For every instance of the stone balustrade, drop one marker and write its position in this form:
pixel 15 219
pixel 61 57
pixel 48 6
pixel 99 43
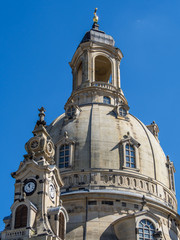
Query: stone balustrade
pixel 104 85
pixel 118 181
pixel 98 84
pixel 12 234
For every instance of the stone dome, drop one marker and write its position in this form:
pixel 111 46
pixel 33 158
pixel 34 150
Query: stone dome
pixel 98 137
pixel 112 165
pixel 98 133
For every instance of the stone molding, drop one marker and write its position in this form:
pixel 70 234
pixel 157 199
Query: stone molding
pixel 118 181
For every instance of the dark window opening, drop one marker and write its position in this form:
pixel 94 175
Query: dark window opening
pixel 102 69
pixel 71 112
pixel 21 217
pixel 123 204
pixel 92 202
pixel 61 226
pixel 79 75
pixel 107 202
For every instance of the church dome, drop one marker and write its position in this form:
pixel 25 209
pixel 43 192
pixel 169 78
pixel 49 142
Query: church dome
pixel 115 180
pixel 100 140
pixel 98 134
pixel 112 165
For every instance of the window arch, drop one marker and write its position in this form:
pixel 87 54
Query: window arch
pixel 146 230
pixel 64 156
pixel 79 75
pixel 130 156
pixel 103 69
pixel 21 216
pixel 106 100
pixel 61 226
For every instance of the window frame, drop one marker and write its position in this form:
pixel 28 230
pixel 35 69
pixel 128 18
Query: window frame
pixel 105 98
pixel 72 114
pixel 71 111
pixel 62 227
pixel 122 111
pixel 142 238
pixel 132 142
pixel 64 156
pixel 31 213
pixel 130 149
pixel 123 106
pixel 21 220
pixel 95 63
pixel 150 217
pixel 65 141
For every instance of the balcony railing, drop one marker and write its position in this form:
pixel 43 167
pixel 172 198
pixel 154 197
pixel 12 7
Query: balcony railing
pixel 98 84
pixel 103 85
pixel 12 234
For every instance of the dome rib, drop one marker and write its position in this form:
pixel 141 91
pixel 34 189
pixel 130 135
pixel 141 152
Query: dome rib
pixel 149 144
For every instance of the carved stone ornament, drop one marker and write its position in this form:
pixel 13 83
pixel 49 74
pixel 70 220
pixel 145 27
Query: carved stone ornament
pixel 121 110
pixel 129 139
pixel 154 129
pixel 72 111
pixel 40 146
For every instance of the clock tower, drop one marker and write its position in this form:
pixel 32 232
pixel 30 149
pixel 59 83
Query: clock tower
pixel 37 211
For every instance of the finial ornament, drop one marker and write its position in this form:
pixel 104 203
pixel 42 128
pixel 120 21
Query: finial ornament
pixel 95 18
pixel 41 116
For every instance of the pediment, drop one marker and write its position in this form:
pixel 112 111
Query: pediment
pixel 26 202
pixel 65 139
pixel 129 139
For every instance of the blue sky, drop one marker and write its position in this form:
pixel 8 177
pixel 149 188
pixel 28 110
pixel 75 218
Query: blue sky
pixel 38 39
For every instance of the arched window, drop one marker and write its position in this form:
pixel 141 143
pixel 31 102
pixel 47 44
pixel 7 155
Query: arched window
pixel 130 156
pixel 79 75
pixel 61 226
pixel 146 230
pixel 106 100
pixel 64 156
pixel 21 216
pixel 102 69
pixel 122 112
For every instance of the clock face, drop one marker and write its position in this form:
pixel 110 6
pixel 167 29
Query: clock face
pixel 52 191
pixel 30 187
pixel 34 144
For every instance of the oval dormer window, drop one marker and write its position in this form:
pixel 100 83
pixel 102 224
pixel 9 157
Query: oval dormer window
pixel 71 111
pixel 122 112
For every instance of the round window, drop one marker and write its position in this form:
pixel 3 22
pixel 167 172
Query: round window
pixel 122 112
pixel 71 111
